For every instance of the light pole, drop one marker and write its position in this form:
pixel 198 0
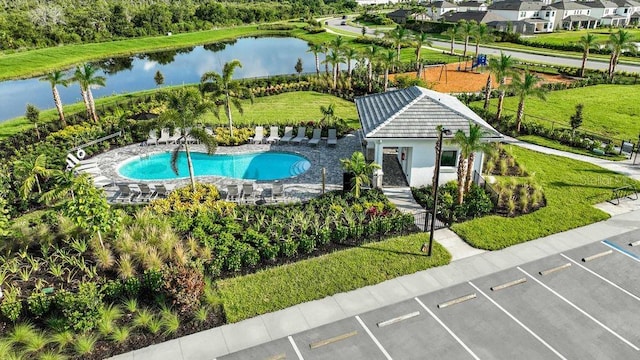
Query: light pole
pixel 436 179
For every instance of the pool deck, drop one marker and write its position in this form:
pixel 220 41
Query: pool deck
pixel 302 187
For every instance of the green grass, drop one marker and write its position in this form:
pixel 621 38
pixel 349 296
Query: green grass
pixel 572 37
pixel 316 278
pixel 553 144
pixel 571 187
pixel 608 109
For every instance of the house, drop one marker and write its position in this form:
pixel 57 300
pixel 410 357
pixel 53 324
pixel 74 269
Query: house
pixel 630 9
pixel 526 17
pixel 605 10
pixel 437 9
pixel 471 6
pixel 480 17
pixel 400 16
pixel 407 120
pixel 573 15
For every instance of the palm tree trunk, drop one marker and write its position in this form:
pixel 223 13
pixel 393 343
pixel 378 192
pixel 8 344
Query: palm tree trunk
pixel 398 52
pixel 453 40
pixel 487 92
pixel 86 101
pixel 335 76
pixel 418 51
pixel 584 62
pixel 370 75
pixel 469 179
pixel 386 79
pixel 466 42
pixel 190 165
pixel 92 104
pixel 58 102
pixel 317 64
pixel 477 48
pixel 228 110
pixel 614 62
pixel 500 101
pixel 326 64
pixel 461 178
pixel 520 114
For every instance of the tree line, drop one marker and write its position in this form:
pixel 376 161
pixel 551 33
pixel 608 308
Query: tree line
pixel 34 24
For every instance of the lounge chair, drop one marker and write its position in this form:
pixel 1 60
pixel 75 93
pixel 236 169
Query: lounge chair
pixel 175 138
pixel 126 193
pixel 288 135
pixel 91 170
pixel 71 166
pixel 332 140
pixel 315 140
pixel 188 138
pixel 161 191
pixel 146 194
pixel 165 137
pixel 273 135
pixel 232 193
pixel 277 192
pixel 258 138
pixel 301 135
pixel 77 161
pixel 247 192
pixel 101 181
pixel 153 138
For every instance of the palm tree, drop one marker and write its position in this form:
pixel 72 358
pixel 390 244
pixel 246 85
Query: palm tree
pixel 334 58
pixel 56 78
pixel 360 170
pixel 325 51
pixel 397 36
pixel 85 76
pixel 349 54
pixel 224 91
pixel 372 53
pixel 452 33
pixel 32 171
pixel 523 87
pixel 65 185
pixel 501 68
pixel 337 43
pixel 466 29
pixel 481 33
pixel 316 49
pixel 184 108
pixel 388 60
pixel 618 43
pixel 586 42
pixel 469 145
pixel 421 40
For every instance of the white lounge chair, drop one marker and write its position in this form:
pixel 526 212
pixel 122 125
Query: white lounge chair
pixel 101 181
pixel 332 140
pixel 258 138
pixel 277 192
pixel 153 138
pixel 77 161
pixel 175 138
pixel 247 192
pixel 315 140
pixel 273 135
pixel 232 193
pixel 288 135
pixel 301 135
pixel 165 137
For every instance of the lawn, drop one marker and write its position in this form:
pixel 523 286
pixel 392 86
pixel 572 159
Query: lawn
pixel 569 37
pixel 278 288
pixel 553 144
pixel 609 110
pixel 571 187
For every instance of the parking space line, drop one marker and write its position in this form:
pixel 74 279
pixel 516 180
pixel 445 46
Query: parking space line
pixel 398 319
pixel 295 348
pixel 602 278
pixel 386 354
pixel 621 250
pixel 541 340
pixel 580 310
pixel 447 329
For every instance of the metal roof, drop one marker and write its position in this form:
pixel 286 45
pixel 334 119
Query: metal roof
pixel 568 5
pixel 415 112
pixel 517 5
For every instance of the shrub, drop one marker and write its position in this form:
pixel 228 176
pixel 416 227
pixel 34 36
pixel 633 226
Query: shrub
pixel 39 303
pixel 80 311
pixel 184 287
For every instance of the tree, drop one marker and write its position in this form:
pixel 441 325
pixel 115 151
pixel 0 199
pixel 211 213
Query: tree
pixel 361 171
pixel 184 108
pixel 33 116
pixel 372 53
pixel 85 76
pixel 452 33
pixel 586 42
pixel 65 185
pixel 90 210
pixel 32 171
pixel 316 49
pixel 618 43
pixel 328 114
pixel 299 67
pixel 224 91
pixel 334 58
pixel 325 51
pixel 158 78
pixel 466 29
pixel 576 120
pixel 469 145
pixel 364 31
pixel 481 33
pixel 56 78
pixel 523 87
pixel 421 40
pixel 397 36
pixel 388 60
pixel 501 68
pixel 349 54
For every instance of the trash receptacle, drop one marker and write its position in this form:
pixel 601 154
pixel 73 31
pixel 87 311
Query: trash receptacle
pixel 377 178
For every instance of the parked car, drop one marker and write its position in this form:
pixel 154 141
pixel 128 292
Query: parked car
pixel 343 23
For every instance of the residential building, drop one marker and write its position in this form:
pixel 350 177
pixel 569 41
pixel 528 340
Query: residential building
pixel 605 10
pixel 630 9
pixel 480 17
pixel 400 16
pixel 471 6
pixel 437 9
pixel 573 15
pixel 526 17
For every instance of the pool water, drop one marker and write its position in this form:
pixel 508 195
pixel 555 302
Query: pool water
pixel 254 166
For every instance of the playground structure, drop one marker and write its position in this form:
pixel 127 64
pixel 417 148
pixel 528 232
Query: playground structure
pixel 471 63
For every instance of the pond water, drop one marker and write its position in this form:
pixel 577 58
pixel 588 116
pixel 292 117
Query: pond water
pixel 260 57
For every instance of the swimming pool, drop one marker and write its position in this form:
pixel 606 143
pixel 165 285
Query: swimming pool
pixel 253 166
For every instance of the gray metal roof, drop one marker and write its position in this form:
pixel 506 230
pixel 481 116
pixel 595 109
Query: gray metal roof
pixel 601 4
pixel 517 5
pixel 415 112
pixel 568 5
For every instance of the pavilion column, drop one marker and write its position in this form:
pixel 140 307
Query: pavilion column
pixel 378 150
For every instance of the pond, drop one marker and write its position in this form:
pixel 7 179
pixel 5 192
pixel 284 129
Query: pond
pixel 260 57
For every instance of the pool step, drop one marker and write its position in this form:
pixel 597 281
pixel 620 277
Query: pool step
pixel 299 167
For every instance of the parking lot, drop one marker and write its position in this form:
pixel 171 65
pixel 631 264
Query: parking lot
pixel 579 304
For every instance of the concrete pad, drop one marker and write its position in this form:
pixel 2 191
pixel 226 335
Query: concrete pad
pixel 502 260
pixel 245 334
pixel 204 345
pixel 476 266
pixel 357 301
pixel 389 292
pixel 285 322
pixel 449 275
pixel 420 283
pixel 277 349
pixel 321 312
pixel 457 247
pixel 168 350
pixel 125 356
